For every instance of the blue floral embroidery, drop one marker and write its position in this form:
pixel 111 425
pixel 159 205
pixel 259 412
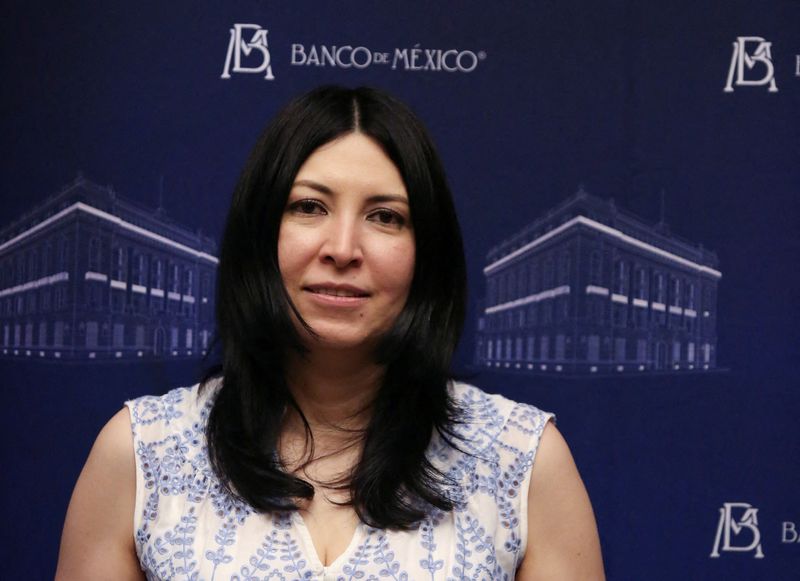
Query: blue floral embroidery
pixel 293 557
pixel 462 553
pixel 177 562
pixel 427 531
pixel 225 537
pixel 262 561
pixel 384 556
pixel 479 540
pixel 358 560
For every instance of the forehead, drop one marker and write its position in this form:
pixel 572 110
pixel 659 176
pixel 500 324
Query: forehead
pixel 353 161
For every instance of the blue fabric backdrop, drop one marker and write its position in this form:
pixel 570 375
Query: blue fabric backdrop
pixel 626 100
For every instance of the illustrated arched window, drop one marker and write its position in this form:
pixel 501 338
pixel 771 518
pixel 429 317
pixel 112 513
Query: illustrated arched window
pixel 94 255
pixel 175 278
pixel 533 285
pixel 47 251
pixel 564 263
pixel 621 277
pixel 63 252
pixel 549 273
pixel 523 281
pixel 501 288
pixel 158 274
pixel 708 298
pixel 676 291
pixel 119 264
pixel 595 268
pixel 641 283
pixel 33 265
pixel 660 287
pixel 140 268
pixel 533 313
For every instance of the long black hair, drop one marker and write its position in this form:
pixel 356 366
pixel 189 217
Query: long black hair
pixel 394 482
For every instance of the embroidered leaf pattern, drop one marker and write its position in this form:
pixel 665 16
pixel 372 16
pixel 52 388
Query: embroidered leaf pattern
pixel 384 557
pixel 189 526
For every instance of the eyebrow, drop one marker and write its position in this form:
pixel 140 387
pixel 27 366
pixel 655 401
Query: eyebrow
pixel 323 189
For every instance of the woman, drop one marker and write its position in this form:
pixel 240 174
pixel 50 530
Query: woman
pixel 337 446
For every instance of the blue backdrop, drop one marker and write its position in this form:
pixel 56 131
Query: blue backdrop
pixel 141 115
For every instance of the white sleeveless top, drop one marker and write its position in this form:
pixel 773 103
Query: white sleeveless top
pixel 188 527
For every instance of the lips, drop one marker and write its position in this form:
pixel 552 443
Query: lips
pixel 337 290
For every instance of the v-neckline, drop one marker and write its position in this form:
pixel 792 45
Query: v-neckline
pixel 311 549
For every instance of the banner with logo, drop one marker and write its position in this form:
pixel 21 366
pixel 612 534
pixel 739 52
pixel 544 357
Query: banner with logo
pixel 626 179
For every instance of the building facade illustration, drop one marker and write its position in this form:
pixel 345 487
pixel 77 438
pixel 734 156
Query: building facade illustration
pixel 589 288
pixel 88 275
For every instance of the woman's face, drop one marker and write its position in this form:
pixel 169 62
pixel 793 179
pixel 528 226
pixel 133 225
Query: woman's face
pixel 346 244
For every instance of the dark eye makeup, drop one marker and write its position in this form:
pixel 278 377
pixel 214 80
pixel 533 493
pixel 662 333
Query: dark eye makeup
pixel 382 216
pixel 307 206
pixel 387 217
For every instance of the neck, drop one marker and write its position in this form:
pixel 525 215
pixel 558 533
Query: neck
pixel 335 391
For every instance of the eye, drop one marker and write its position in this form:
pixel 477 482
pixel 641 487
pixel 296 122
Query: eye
pixel 387 217
pixel 307 206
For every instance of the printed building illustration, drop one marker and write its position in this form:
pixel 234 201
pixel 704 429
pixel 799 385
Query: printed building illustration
pixel 589 288
pixel 88 275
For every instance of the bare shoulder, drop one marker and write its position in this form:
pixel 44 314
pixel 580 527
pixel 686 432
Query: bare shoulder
pixel 97 541
pixel 562 534
pixel 115 441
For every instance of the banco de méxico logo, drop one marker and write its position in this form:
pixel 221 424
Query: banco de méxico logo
pixel 749 51
pixel 737 530
pixel 254 50
pixel 248 52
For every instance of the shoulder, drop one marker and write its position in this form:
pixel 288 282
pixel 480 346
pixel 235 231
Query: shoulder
pixel 498 438
pixel 98 530
pixel 562 540
pixel 169 406
pixel 111 455
pixel 495 413
pixel 475 400
pixel 98 537
pixel 179 408
pixel 557 531
pixel 495 447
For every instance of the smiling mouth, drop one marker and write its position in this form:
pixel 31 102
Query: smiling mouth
pixel 338 291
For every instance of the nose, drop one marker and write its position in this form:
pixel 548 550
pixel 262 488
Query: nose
pixel 342 245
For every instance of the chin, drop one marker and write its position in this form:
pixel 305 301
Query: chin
pixel 339 341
